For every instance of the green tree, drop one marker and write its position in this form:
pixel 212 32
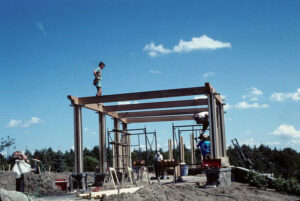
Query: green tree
pixel 7 143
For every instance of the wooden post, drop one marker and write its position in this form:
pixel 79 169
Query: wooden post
pixel 192 149
pixel 126 149
pixel 223 130
pixel 182 150
pixel 216 127
pixel 102 143
pixel 118 148
pixel 170 149
pixel 78 140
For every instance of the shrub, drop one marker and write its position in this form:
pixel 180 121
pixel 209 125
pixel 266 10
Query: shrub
pixel 290 186
pixel 257 180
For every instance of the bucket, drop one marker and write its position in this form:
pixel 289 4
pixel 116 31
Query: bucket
pixel 62 184
pixel 184 170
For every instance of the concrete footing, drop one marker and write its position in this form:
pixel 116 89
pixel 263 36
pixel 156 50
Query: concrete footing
pixel 218 177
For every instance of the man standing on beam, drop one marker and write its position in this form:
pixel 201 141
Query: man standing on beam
pixel 97 80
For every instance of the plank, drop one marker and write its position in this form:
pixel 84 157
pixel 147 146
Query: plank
pixel 143 95
pixel 156 105
pixel 108 192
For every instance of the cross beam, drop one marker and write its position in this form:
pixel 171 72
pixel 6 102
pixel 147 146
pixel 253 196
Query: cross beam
pixel 144 95
pixel 159 119
pixel 156 105
pixel 161 112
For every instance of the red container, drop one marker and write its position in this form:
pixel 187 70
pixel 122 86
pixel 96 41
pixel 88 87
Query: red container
pixel 62 184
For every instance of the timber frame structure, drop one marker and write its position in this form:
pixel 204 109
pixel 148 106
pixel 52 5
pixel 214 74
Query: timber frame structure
pixel 149 112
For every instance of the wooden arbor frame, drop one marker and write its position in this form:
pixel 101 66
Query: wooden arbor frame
pixel 150 112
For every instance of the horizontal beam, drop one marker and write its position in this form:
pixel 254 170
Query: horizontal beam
pixel 162 112
pixel 156 105
pixel 143 95
pixel 99 108
pixel 159 119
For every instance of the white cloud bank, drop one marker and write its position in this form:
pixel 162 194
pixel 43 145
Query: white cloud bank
pixel 13 123
pixel 287 131
pixel 196 43
pixel 280 97
pixel 254 94
pixel 251 100
pixel 246 105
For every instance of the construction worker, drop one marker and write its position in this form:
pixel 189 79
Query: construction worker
pixel 158 158
pixel 21 167
pixel 202 118
pixel 97 80
pixel 204 145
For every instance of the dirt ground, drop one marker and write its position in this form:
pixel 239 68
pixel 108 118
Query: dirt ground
pixel 180 192
pixel 154 192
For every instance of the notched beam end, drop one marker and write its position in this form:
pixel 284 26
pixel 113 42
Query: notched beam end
pixel 73 99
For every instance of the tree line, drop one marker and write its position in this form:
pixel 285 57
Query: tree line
pixel 283 163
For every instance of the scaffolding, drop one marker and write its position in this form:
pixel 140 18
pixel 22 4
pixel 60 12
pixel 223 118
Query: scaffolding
pixel 121 150
pixel 178 144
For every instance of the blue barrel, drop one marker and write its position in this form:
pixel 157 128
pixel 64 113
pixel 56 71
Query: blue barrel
pixel 184 170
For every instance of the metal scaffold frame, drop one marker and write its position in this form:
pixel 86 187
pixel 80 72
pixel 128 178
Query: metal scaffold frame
pixel 122 160
pixel 178 144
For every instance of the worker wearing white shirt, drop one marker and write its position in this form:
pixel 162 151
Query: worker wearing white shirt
pixel 158 158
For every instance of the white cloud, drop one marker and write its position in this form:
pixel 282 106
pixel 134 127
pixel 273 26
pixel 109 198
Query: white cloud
pixel 19 123
pixel 272 143
pixel 41 27
pixel 295 96
pixel 196 43
pixel 14 123
pixel 127 102
pixel 85 129
pixel 250 142
pixel 246 105
pixel 154 71
pixel 208 74
pixel 287 131
pixel 200 43
pixel 154 50
pixel 253 94
pixel 33 120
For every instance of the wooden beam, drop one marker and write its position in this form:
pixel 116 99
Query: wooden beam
pixel 144 95
pixel 100 108
pixel 162 112
pixel 73 99
pixel 156 105
pixel 158 119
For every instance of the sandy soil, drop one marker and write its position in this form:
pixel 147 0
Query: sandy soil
pixel 182 192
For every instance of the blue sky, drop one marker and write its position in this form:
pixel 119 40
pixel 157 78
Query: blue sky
pixel 248 50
